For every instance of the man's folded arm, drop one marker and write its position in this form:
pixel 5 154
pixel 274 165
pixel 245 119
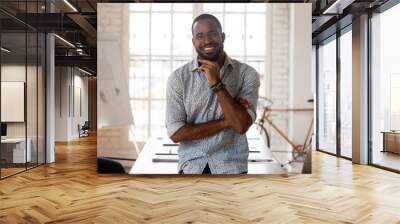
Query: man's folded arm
pixel 239 117
pixel 189 132
pixel 236 115
pixel 176 121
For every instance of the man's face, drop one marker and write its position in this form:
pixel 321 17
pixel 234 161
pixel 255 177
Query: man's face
pixel 208 40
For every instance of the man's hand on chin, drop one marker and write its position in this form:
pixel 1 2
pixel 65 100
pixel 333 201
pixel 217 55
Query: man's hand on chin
pixel 211 69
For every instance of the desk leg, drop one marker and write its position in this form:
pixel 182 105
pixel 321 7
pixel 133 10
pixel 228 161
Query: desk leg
pixel 384 143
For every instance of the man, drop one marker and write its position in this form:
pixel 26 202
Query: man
pixel 211 103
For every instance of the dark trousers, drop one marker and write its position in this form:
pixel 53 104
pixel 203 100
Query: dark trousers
pixel 207 170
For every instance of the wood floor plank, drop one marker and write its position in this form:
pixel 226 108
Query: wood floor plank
pixel 71 191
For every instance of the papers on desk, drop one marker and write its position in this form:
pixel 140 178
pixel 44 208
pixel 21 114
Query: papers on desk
pixel 168 147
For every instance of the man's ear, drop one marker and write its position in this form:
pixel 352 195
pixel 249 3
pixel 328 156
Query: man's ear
pixel 193 41
pixel 223 37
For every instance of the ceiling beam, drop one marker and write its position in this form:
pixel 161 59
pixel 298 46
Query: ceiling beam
pixel 337 7
pixel 82 61
pixel 84 24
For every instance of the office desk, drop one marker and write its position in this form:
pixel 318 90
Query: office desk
pixel 13 150
pixel 260 159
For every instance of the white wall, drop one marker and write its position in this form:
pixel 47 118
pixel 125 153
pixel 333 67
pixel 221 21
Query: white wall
pixel 61 103
pixel 33 127
pixel 67 115
pixel 12 73
pixel 79 117
pixel 300 79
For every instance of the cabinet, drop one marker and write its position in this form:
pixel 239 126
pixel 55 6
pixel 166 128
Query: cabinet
pixel 391 141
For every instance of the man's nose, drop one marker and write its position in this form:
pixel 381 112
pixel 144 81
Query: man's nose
pixel 207 39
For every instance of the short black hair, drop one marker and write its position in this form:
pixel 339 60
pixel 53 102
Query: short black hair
pixel 209 17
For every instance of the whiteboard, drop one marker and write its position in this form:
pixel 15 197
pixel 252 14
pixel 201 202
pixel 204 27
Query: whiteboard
pixel 12 101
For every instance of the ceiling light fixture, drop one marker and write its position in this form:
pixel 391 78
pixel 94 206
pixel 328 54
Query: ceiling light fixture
pixel 84 71
pixel 70 5
pixel 5 50
pixel 65 41
pixel 337 7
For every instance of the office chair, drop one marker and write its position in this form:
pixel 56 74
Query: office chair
pixel 84 130
pixel 107 165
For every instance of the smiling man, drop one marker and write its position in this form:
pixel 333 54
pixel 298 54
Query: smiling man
pixel 211 103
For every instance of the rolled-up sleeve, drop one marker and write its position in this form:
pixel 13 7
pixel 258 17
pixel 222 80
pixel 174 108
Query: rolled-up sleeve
pixel 175 116
pixel 249 90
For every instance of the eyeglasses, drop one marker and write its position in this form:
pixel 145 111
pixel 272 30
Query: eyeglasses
pixel 210 35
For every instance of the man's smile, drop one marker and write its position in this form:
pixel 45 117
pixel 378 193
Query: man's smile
pixel 209 49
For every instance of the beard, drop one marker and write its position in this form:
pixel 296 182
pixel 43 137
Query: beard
pixel 213 56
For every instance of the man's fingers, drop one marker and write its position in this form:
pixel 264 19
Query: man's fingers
pixel 244 102
pixel 245 105
pixel 204 68
pixel 207 62
pixel 203 61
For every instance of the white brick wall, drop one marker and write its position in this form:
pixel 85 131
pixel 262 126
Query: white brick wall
pixel 279 68
pixel 112 23
pixel 110 20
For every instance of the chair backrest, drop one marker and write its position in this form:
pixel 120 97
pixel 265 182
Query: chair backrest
pixel 86 125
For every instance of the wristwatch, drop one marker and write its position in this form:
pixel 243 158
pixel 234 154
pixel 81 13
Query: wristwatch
pixel 217 87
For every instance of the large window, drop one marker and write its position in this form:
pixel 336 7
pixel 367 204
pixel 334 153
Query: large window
pixel 346 94
pixel 327 96
pixel 385 84
pixel 335 137
pixel 160 42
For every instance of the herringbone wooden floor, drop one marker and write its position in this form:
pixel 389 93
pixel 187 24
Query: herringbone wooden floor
pixel 71 191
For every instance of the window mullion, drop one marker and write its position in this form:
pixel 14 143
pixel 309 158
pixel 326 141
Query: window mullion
pixel 149 80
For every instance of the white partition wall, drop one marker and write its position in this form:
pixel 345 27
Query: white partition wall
pixel 12 98
pixel 71 102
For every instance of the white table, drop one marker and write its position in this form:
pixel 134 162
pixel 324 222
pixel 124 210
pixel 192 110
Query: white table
pixel 18 144
pixel 259 162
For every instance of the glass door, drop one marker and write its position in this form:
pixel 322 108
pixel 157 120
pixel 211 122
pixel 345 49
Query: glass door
pixel 327 96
